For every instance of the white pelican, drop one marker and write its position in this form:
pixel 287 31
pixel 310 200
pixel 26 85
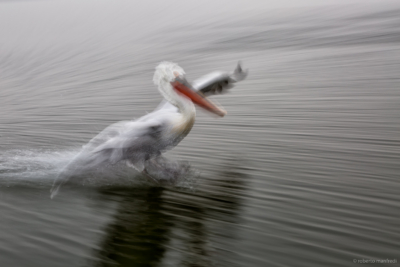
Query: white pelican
pixel 141 141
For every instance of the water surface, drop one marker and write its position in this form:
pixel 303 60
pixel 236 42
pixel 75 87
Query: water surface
pixel 303 171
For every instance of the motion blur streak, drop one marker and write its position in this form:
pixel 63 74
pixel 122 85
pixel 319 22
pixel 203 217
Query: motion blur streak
pixel 302 171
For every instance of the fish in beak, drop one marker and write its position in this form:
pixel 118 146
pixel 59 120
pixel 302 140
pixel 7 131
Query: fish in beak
pixel 183 87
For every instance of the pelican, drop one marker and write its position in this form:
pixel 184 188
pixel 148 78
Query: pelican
pixel 141 142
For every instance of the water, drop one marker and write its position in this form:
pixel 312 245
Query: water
pixel 303 171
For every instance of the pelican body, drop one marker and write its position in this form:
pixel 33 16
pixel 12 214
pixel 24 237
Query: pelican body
pixel 141 141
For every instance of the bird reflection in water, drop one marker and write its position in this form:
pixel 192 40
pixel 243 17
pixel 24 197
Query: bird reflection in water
pixel 156 226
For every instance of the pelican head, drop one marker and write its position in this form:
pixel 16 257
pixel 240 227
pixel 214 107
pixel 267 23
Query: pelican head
pixel 169 78
pixel 165 73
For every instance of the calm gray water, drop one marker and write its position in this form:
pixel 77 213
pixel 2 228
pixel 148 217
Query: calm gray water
pixel 303 171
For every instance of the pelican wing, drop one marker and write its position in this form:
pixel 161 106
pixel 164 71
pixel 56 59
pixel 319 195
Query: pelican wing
pixel 134 141
pixel 130 141
pixel 218 82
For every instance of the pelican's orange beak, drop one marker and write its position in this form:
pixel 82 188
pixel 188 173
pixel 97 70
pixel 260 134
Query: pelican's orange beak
pixel 196 97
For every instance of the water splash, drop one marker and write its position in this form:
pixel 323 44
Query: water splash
pixel 174 173
pixel 33 164
pixel 40 167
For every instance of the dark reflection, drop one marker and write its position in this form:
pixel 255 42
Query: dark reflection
pixel 155 225
pixel 139 231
